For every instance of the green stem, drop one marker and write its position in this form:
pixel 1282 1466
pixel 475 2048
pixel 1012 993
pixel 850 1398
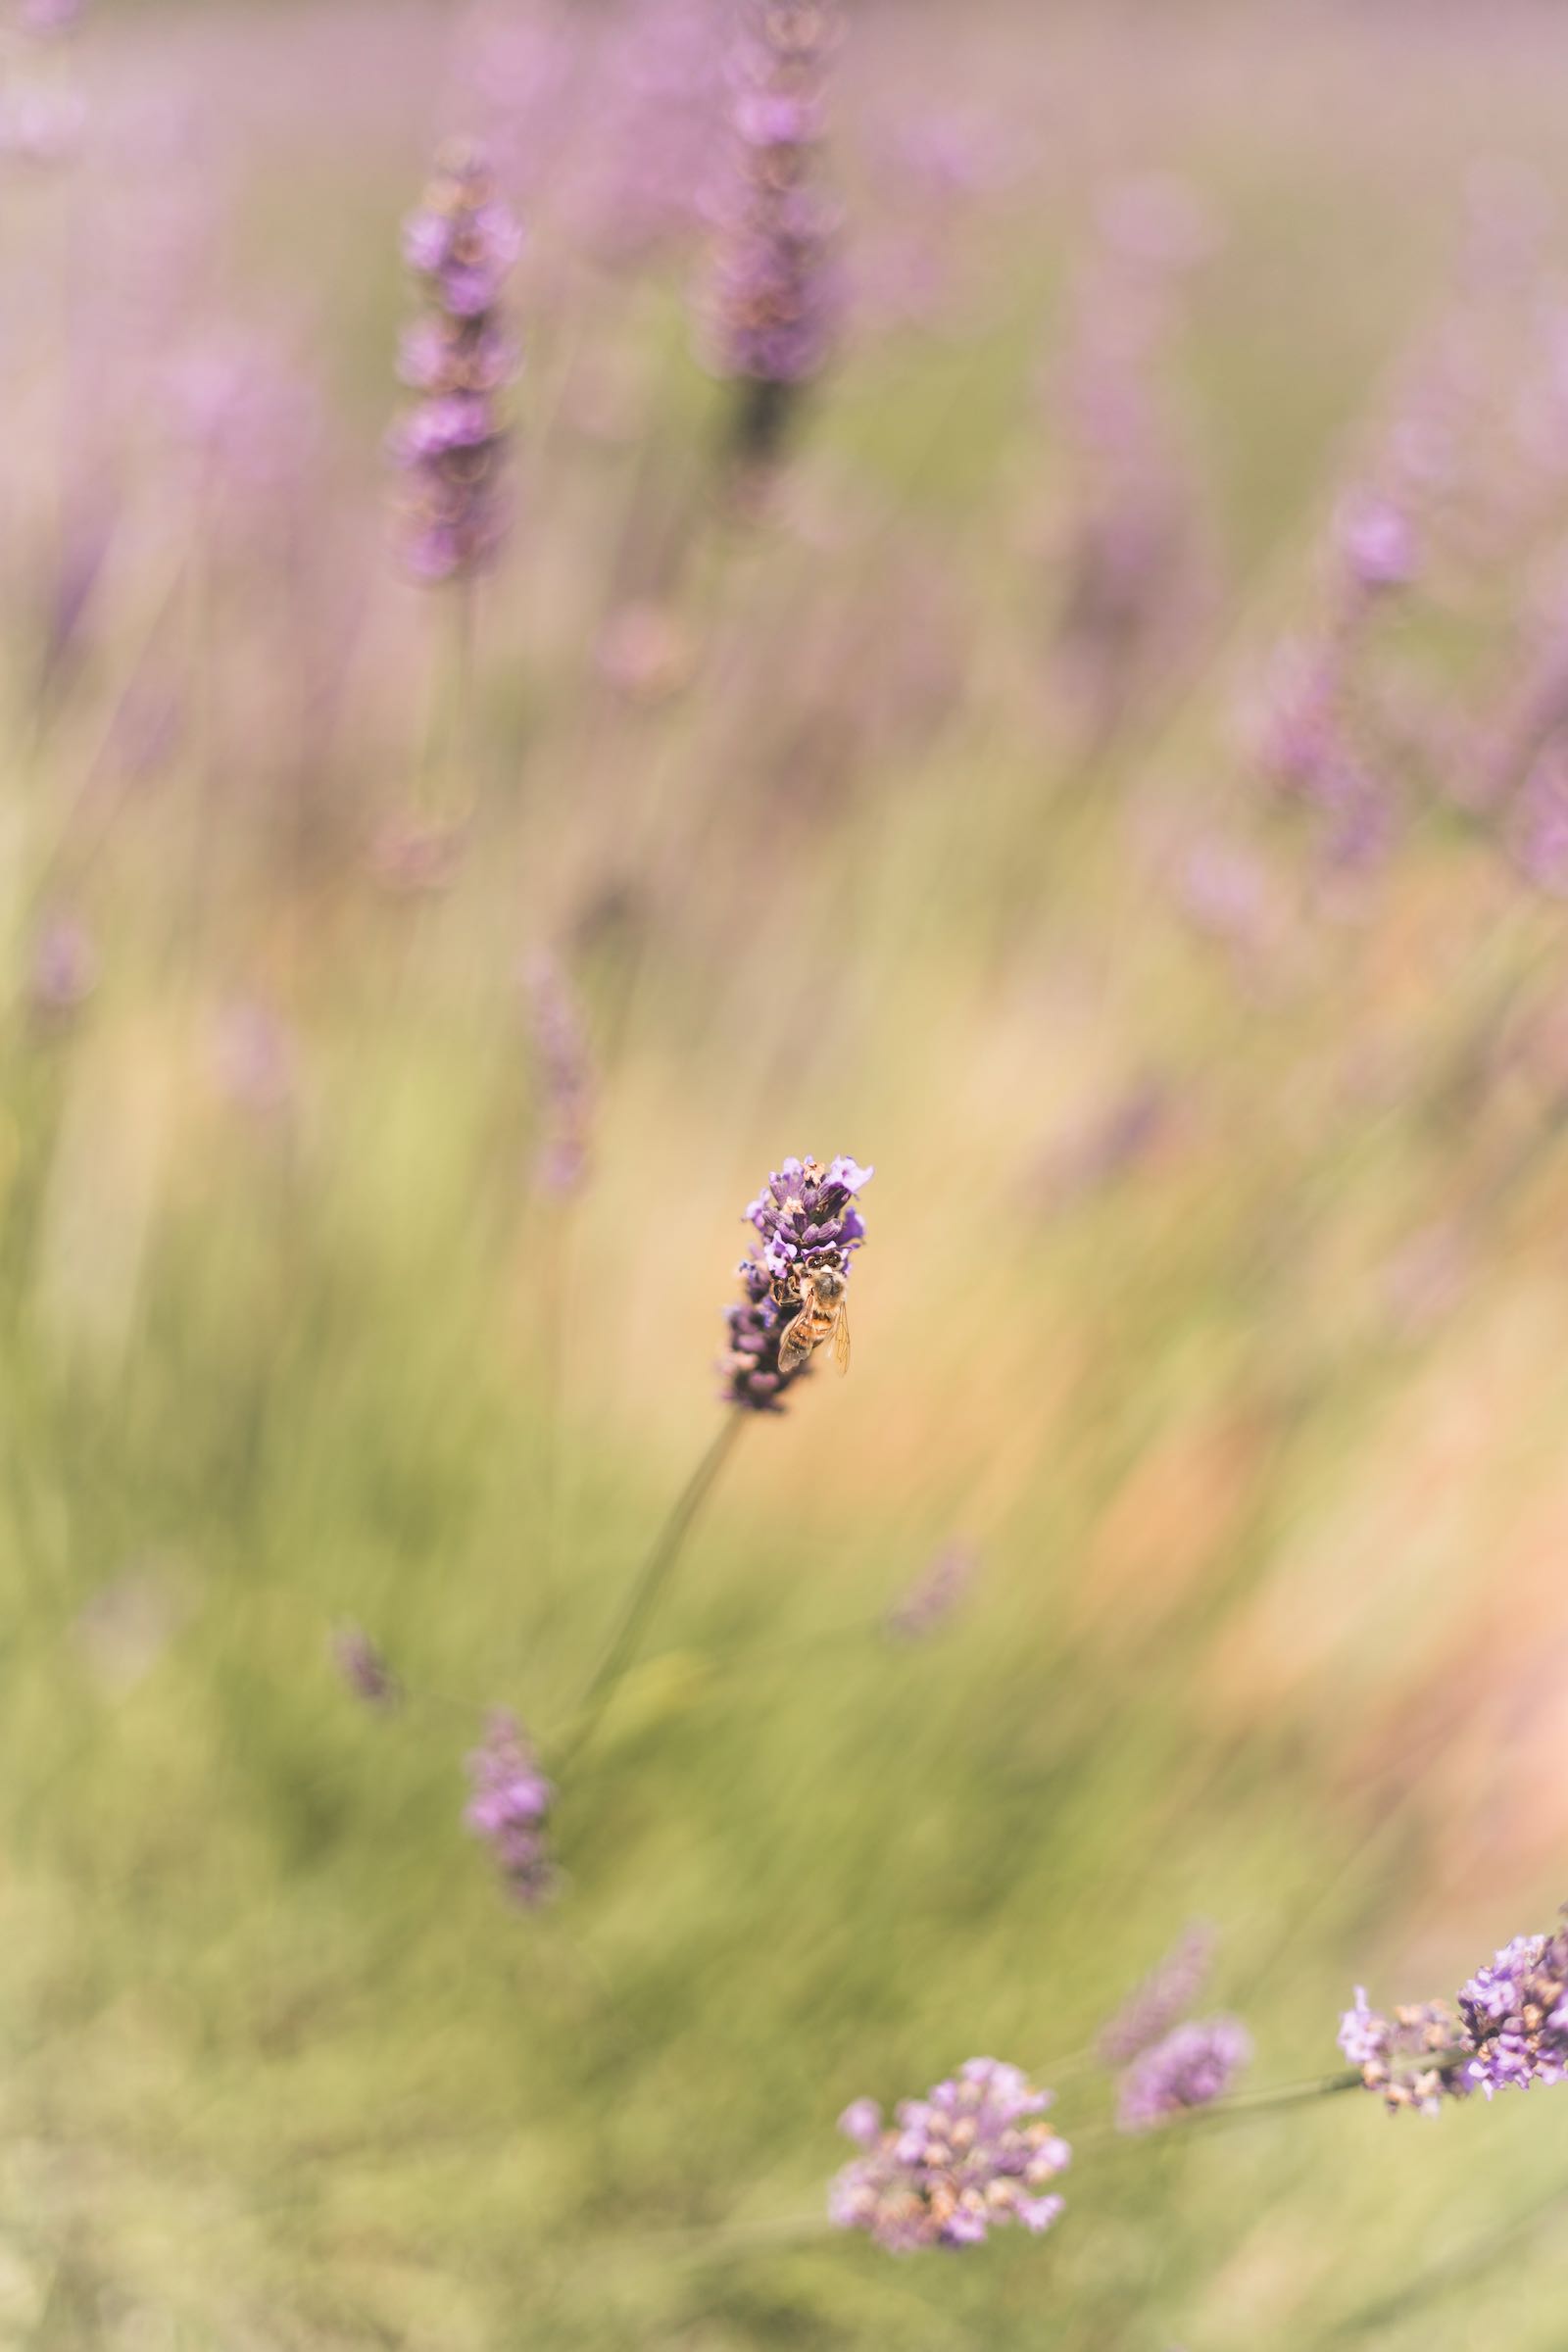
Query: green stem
pixel 651 1580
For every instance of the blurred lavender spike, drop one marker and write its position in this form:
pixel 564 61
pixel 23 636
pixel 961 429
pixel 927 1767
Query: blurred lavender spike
pixel 560 1045
pixel 1170 1987
pixel 935 1595
pixel 64 970
pixel 509 1810
pixel 458 358
pixel 774 298
pixel 363 1668
pixel 1191 2066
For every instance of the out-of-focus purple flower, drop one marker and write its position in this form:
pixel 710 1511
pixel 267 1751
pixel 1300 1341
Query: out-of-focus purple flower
pixel 1537 829
pixel 1115 1139
pixel 253 1056
pixel 415 856
pixel 1165 1993
pixel 644 653
pixel 509 1810
pixel 63 970
pixel 560 1043
pixel 973 2154
pixel 1516 2013
pixel 1410 2058
pixel 658 102
pixel 43 18
pixel 363 1668
pixel 807 1221
pixel 935 1594
pixel 1375 541
pixel 774 299
pixel 450 444
pixel 1193 2065
pixel 1228 892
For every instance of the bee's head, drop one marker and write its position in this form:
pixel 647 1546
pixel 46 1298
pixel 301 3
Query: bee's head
pixel 829 1285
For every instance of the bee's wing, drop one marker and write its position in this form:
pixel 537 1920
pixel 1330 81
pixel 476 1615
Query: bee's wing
pixel 790 1350
pixel 841 1339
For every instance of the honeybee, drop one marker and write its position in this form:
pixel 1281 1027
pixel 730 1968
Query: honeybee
pixel 822 1316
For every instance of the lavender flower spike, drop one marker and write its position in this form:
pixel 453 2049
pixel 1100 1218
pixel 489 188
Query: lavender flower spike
pixel 1409 2058
pixel 774 298
pixel 364 1669
pixel 458 358
pixel 510 1808
pixel 935 1594
pixel 1515 2014
pixel 971 2155
pixel 806 1222
pixel 1170 1989
pixel 1195 2065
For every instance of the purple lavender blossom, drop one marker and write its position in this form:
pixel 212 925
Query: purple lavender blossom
pixel 43 18
pixel 510 1808
pixel 972 2154
pixel 1375 541
pixel 774 299
pixel 1408 2057
pixel 1515 2014
pixel 458 358
pixel 935 1594
pixel 1537 830
pixel 805 1219
pixel 1170 1989
pixel 63 970
pixel 364 1669
pixel 1195 2065
pixel 561 1046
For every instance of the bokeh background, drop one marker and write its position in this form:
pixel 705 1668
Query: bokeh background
pixel 1215 1298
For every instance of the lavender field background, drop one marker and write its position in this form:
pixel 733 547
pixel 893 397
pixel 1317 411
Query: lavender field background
pixel 1106 766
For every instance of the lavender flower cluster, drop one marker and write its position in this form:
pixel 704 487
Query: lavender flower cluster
pixel 971 2155
pixel 509 1810
pixel 805 1219
pixel 1507 2028
pixel 458 358
pixel 775 296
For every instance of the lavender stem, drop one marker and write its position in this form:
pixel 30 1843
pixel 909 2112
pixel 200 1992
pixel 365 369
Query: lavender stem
pixel 651 1580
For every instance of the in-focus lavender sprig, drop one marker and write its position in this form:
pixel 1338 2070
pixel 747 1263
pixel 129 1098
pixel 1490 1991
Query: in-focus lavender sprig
pixel 1506 2029
pixel 807 1223
pixel 458 358
pixel 509 1810
pixel 1192 2066
pixel 774 298
pixel 973 2154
